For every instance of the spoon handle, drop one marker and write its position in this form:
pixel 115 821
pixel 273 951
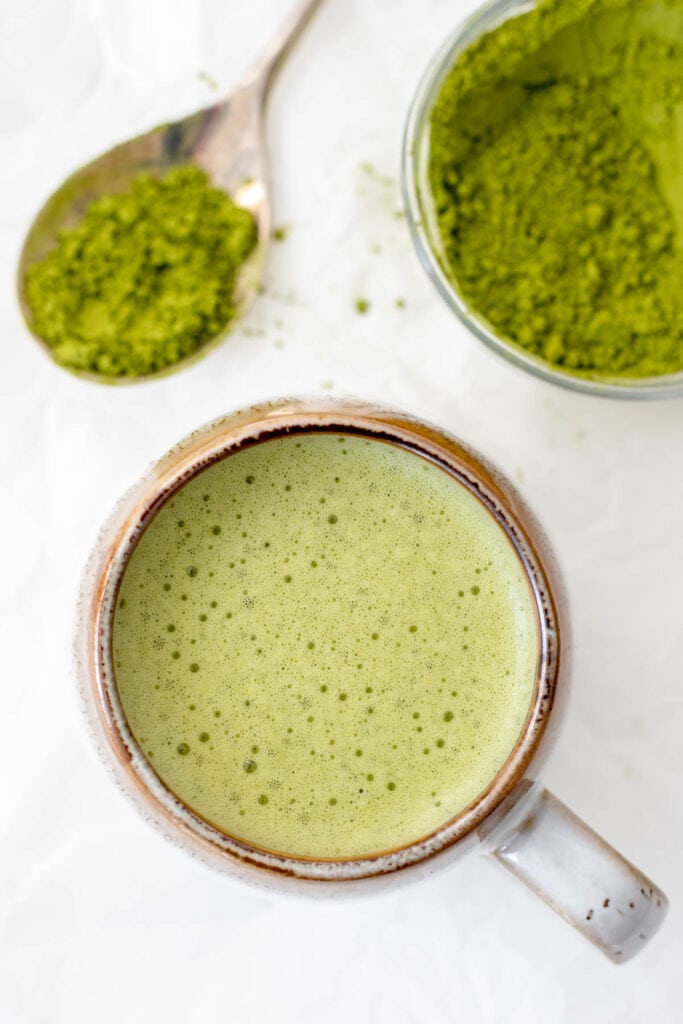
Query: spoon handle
pixel 266 68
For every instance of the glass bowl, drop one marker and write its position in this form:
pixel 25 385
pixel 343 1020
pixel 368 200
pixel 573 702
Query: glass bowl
pixel 425 230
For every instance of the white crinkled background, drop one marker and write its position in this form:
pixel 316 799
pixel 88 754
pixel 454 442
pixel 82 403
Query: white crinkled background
pixel 101 919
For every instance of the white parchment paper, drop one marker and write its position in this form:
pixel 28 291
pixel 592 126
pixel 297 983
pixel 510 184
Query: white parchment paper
pixel 100 919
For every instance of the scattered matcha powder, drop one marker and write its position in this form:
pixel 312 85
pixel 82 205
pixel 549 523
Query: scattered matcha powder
pixel 556 168
pixel 280 234
pixel 208 79
pixel 145 279
pixel 362 306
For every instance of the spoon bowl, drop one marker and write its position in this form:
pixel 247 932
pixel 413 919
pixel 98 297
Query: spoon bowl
pixel 226 140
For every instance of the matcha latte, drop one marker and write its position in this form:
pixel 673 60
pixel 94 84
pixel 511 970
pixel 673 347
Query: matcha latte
pixel 325 645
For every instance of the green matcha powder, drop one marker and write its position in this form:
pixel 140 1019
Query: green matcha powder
pixel 557 173
pixel 145 279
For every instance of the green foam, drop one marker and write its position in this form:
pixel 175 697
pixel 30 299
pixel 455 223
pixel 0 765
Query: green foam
pixel 325 645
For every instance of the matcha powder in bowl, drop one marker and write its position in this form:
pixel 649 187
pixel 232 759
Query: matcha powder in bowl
pixel 145 281
pixel 543 171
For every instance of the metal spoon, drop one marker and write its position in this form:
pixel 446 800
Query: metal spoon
pixel 227 140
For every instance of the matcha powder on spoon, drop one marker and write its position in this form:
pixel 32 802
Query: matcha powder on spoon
pixel 145 279
pixel 557 173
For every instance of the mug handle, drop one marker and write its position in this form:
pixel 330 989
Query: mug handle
pixel 578 874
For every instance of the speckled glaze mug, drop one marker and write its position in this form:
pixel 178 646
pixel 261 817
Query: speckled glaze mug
pixel 515 820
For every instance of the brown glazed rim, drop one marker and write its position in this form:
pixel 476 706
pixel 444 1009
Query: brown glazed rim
pixel 208 445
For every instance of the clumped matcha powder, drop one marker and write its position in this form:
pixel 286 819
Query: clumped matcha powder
pixel 145 279
pixel 557 173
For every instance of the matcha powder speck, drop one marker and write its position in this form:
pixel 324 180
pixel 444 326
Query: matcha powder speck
pixel 557 174
pixel 145 279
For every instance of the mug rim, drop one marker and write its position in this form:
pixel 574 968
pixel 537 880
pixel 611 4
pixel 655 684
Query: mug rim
pixel 210 444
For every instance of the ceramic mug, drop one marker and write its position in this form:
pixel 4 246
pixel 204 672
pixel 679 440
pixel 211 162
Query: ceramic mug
pixel 515 820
